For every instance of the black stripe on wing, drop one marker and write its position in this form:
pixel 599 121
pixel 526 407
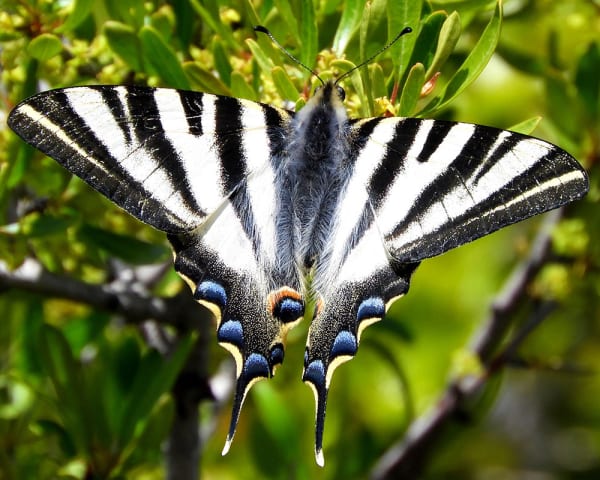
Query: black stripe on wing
pixel 112 99
pixel 393 161
pixel 57 108
pixel 458 171
pixel 148 128
pixel 229 131
pixel 438 131
pixel 191 103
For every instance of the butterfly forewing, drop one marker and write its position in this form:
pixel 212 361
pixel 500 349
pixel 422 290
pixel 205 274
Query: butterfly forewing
pixel 458 182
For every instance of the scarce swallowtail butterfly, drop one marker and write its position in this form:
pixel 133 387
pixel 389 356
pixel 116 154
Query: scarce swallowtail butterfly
pixel 256 199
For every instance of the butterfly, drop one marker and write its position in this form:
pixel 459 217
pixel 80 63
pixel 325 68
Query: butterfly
pixel 268 209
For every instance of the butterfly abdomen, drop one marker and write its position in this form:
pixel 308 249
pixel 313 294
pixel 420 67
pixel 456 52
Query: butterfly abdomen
pixel 319 146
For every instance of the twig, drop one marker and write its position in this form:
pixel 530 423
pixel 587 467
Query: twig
pixel 134 304
pixel 407 458
pixel 515 289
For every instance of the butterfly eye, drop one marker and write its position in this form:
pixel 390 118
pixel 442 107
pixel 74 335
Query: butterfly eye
pixel 341 93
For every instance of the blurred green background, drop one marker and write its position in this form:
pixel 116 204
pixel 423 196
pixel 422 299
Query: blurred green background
pixel 82 395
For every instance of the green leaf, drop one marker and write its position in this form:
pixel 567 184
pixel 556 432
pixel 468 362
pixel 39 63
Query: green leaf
pixel 10 35
pixel 44 47
pixel 131 12
pixel 162 59
pixel 387 353
pixel 412 90
pixel 367 106
pixel 16 169
pixel 250 12
pixel 125 361
pixel 81 9
pixel 156 429
pixel 276 419
pixel 163 22
pixel 527 126
pixel 532 64
pixel 474 64
pixel 49 427
pixel 263 60
pixel 378 86
pixel 449 35
pixel 155 376
pixel 351 16
pixel 427 39
pixel 240 88
pixel 30 316
pixel 587 80
pixel 66 376
pixel 204 80
pixel 308 33
pixel 286 13
pixel 45 225
pixel 400 15
pixel 209 13
pixel 284 85
pixel 571 238
pixel 559 93
pixel 58 359
pixel 124 247
pixel 124 42
pixel 17 397
pixel 184 22
pixel 221 59
pixel 299 104
pixel 467 9
pixel 342 65
pixel 80 331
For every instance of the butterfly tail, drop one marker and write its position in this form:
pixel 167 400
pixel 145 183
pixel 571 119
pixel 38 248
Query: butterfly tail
pixel 315 377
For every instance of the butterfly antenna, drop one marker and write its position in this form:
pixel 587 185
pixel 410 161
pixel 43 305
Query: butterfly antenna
pixel 376 54
pixel 260 28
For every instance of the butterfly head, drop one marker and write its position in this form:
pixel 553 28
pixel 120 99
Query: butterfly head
pixel 329 95
pixel 324 113
pixel 328 90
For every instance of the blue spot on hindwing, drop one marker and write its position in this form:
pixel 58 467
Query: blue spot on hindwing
pixel 277 354
pixel 315 373
pixel 344 344
pixel 232 332
pixel 212 292
pixel 370 308
pixel 256 366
